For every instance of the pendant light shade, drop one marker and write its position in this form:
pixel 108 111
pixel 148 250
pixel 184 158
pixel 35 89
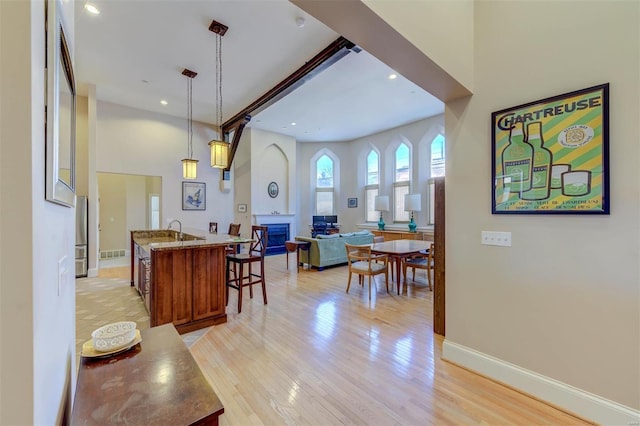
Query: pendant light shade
pixel 189 165
pixel 189 168
pixel 219 154
pixel 219 148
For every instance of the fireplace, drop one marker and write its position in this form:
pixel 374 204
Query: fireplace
pixel 277 234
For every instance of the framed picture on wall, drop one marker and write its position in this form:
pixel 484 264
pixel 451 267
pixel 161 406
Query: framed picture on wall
pixel 551 156
pixel 194 196
pixel 352 203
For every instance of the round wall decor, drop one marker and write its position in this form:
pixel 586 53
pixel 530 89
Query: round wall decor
pixel 273 190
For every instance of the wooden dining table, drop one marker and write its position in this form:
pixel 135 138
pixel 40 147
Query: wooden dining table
pixel 398 250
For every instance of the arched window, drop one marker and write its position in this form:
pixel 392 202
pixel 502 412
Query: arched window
pixel 402 183
pixel 372 187
pixel 437 156
pixel 324 186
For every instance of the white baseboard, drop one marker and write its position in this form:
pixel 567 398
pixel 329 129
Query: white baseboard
pixel 574 400
pixel 92 272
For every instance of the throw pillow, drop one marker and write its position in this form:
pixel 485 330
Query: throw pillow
pixel 364 232
pixel 326 237
pixel 348 234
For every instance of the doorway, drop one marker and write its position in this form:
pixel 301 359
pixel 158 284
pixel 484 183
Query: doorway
pixel 126 202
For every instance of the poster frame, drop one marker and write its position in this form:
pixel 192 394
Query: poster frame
pixel 557 200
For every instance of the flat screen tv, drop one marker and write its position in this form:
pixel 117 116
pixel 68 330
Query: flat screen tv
pixel 331 220
pixel 319 219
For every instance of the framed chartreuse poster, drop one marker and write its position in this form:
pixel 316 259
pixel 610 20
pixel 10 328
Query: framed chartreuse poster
pixel 552 156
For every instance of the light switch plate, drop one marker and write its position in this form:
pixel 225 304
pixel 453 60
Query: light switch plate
pixel 493 238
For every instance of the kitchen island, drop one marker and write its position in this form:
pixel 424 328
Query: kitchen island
pixel 181 276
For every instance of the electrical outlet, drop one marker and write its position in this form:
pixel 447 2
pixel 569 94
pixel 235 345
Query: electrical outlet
pixel 492 238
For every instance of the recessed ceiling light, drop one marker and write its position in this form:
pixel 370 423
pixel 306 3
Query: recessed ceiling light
pixel 92 9
pixel 163 102
pixel 293 123
pixel 393 76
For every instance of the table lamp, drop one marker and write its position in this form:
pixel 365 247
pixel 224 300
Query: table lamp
pixel 412 203
pixel 381 205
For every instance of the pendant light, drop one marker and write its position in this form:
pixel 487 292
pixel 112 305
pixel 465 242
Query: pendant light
pixel 219 148
pixel 189 165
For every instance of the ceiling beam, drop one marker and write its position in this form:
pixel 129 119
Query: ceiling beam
pixel 237 132
pixel 323 60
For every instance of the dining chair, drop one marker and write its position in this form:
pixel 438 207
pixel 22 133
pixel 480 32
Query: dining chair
pixel 380 239
pixel 421 261
pixel 362 262
pixel 234 229
pixel 255 255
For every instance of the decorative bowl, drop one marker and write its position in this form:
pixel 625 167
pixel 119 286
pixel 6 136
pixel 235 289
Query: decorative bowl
pixel 113 336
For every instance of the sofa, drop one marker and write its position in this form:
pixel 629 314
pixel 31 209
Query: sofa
pixel 328 250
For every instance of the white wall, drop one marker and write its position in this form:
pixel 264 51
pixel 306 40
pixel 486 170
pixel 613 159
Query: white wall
pixel 273 159
pixel 557 314
pixel 37 321
pixel 563 302
pixel 423 23
pixel 140 142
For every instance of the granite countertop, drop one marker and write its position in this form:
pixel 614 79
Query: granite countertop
pixel 166 239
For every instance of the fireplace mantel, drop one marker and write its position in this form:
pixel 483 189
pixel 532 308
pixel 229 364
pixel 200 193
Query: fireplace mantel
pixel 265 219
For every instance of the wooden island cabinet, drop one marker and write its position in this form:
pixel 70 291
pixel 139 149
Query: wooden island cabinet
pixel 181 281
pixel 187 287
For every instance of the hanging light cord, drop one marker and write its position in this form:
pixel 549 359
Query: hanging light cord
pixel 219 83
pixel 189 117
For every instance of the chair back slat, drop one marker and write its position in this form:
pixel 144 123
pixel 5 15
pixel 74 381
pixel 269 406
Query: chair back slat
pixel 259 246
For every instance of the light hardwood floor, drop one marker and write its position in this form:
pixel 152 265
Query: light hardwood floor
pixel 316 355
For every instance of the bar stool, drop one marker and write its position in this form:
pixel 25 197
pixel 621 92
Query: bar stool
pixel 255 255
pixel 234 231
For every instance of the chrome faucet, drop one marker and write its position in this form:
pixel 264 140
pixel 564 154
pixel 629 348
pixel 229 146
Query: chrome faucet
pixel 179 230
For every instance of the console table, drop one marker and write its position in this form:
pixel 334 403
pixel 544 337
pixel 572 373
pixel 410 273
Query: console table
pixel 392 235
pixel 156 382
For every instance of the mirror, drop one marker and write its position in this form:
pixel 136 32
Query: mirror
pixel 60 112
